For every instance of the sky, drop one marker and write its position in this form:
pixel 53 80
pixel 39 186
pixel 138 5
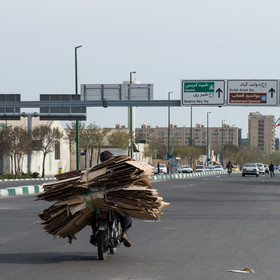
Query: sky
pixel 164 41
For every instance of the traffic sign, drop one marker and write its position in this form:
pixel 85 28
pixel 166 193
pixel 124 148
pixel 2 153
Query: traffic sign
pixel 62 112
pixel 252 92
pixel 206 92
pixel 9 113
pixel 90 92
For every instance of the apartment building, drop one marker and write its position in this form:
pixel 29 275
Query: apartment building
pixel 261 130
pixel 196 136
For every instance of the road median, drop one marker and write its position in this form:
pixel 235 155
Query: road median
pixel 35 189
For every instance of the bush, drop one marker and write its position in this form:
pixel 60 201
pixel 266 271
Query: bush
pixel 22 176
pixel 35 175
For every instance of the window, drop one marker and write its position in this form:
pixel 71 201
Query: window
pixel 57 150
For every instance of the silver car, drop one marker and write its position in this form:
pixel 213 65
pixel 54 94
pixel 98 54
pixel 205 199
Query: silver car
pixel 266 168
pixel 261 168
pixel 200 168
pixel 185 169
pixel 250 169
pixel 218 168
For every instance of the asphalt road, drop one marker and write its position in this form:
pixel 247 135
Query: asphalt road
pixel 213 224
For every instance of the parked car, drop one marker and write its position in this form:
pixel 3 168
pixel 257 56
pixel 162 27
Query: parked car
pixel 250 169
pixel 261 168
pixel 266 168
pixel 218 168
pixel 235 168
pixel 162 169
pixel 209 168
pixel 185 169
pixel 200 168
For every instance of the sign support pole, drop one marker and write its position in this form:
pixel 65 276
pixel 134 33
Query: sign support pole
pixel 77 122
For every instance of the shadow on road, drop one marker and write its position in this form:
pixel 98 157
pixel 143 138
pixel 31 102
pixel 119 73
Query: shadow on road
pixel 44 258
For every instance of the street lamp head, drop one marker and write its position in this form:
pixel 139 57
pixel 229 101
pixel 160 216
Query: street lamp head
pixel 169 94
pixel 78 47
pixel 130 74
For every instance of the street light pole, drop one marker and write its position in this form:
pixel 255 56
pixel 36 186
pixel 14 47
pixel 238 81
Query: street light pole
pixel 130 118
pixel 191 127
pixel 169 124
pixel 232 134
pixel 207 164
pixel 222 157
pixel 77 122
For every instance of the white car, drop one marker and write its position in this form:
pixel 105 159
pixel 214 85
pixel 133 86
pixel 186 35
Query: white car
pixel 250 169
pixel 185 169
pixel 209 168
pixel 261 167
pixel 200 168
pixel 266 168
pixel 162 169
pixel 218 168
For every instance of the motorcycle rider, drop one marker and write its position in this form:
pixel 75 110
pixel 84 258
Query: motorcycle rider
pixel 229 167
pixel 126 221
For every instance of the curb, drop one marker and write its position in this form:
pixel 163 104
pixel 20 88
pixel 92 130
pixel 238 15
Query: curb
pixel 186 175
pixel 35 189
pixel 27 179
pixel 21 190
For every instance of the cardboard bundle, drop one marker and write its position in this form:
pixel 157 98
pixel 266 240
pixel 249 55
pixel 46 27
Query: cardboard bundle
pixel 120 184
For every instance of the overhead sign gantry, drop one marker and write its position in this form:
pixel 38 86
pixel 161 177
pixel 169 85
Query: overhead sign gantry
pixel 194 92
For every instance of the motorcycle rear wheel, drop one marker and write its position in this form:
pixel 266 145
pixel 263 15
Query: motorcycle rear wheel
pixel 102 245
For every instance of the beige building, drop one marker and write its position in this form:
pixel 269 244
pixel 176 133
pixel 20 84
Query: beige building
pixel 196 136
pixel 261 131
pixel 58 159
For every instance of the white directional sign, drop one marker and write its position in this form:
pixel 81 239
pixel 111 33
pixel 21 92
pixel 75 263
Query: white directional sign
pixel 204 92
pixel 252 92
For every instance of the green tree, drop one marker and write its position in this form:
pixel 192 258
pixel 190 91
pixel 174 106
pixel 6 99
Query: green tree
pixel 49 136
pixel 16 142
pixel 156 148
pixel 119 139
pixel 274 158
pixel 183 153
pixel 93 138
pixel 71 132
pixel 189 153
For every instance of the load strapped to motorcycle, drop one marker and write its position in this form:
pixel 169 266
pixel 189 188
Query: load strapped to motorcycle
pixel 120 184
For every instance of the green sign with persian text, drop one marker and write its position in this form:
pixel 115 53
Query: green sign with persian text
pixel 205 92
pixel 199 87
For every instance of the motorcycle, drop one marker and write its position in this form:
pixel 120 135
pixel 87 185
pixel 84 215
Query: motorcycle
pixel 229 170
pixel 108 233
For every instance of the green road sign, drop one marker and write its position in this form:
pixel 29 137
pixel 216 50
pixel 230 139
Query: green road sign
pixel 205 92
pixel 199 87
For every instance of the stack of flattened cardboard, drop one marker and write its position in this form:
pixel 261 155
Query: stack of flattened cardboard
pixel 120 184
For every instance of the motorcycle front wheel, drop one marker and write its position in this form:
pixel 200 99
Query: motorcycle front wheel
pixel 102 245
pixel 113 250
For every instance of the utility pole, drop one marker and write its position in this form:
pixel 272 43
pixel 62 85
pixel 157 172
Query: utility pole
pixel 130 118
pixel 77 122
